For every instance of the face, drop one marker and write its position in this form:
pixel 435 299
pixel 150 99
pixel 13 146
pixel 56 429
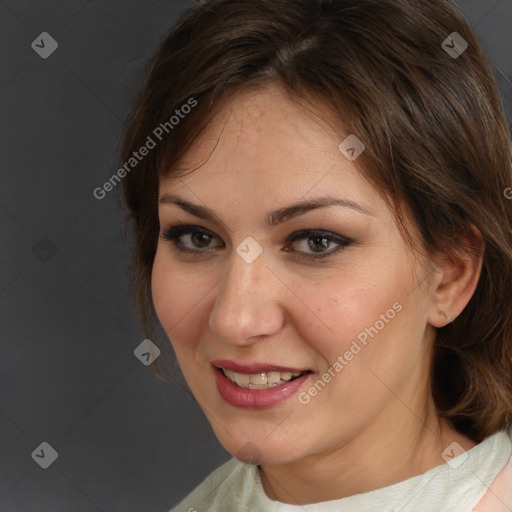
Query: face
pixel 330 290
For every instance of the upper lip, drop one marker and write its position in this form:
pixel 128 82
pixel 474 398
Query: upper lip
pixel 253 367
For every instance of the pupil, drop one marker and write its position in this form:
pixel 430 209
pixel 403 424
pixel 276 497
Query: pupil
pixel 318 239
pixel 201 239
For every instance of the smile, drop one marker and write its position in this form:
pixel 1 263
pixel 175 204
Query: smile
pixel 258 389
pixel 261 380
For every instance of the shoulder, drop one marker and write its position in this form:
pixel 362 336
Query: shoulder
pixel 220 491
pixel 498 498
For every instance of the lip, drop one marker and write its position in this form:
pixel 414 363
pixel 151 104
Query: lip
pixel 256 398
pixel 253 367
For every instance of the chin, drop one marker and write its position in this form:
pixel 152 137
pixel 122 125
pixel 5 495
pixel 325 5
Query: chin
pixel 262 454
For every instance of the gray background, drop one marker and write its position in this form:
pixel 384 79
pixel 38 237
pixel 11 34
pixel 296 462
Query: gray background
pixel 68 375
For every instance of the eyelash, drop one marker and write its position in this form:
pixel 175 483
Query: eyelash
pixel 175 232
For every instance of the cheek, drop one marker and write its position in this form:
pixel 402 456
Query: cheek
pixel 178 298
pixel 342 307
pixel 362 321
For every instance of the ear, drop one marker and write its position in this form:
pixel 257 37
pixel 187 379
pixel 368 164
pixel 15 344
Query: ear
pixel 456 279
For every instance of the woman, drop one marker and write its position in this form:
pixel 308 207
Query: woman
pixel 324 234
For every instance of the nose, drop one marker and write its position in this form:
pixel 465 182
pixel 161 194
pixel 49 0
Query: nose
pixel 248 304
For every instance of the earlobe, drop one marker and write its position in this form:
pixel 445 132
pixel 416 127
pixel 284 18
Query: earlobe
pixel 448 318
pixel 459 274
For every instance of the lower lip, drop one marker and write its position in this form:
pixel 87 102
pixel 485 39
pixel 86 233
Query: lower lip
pixel 256 398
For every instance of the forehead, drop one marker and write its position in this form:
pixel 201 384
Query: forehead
pixel 264 139
pixel 260 114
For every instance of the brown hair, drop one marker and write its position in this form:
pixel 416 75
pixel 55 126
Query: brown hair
pixel 433 125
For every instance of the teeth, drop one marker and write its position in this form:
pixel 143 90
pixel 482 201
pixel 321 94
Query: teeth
pixel 257 378
pixel 261 380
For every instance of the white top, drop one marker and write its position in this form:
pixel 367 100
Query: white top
pixel 456 486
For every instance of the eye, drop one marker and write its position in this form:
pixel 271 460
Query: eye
pixel 315 243
pixel 199 238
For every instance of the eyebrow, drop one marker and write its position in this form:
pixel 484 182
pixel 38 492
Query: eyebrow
pixel 273 218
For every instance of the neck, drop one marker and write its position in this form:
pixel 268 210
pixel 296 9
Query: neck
pixel 374 458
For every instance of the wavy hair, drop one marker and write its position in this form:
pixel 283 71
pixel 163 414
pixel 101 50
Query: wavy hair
pixel 436 137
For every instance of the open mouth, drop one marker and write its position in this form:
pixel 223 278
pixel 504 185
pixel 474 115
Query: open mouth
pixel 250 387
pixel 261 380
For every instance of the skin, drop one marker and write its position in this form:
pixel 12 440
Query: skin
pixel 374 424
